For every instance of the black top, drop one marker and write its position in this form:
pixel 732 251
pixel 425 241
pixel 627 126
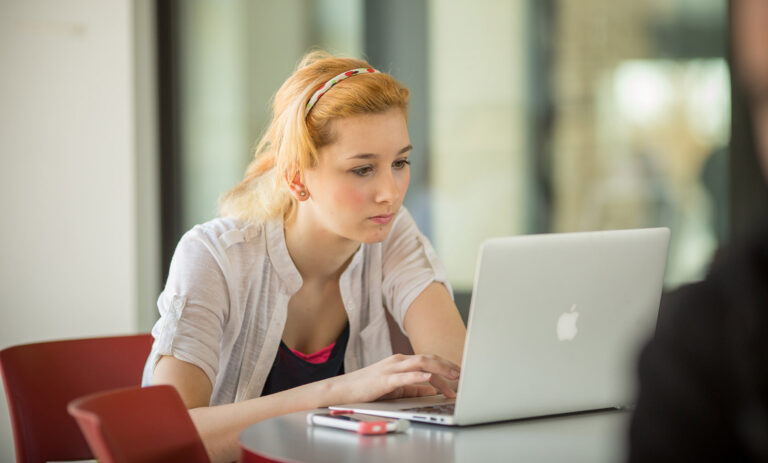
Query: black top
pixel 704 375
pixel 290 370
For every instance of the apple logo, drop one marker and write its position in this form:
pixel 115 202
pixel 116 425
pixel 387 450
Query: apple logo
pixel 566 325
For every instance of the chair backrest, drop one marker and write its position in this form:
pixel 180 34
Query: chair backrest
pixel 139 425
pixel 41 379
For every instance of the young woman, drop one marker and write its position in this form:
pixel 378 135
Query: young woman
pixel 278 305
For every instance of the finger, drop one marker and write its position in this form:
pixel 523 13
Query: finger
pixel 398 380
pixel 413 390
pixel 440 360
pixel 418 390
pixel 429 363
pixel 445 386
pixel 396 394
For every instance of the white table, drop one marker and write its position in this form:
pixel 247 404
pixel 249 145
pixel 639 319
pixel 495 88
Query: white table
pixel 589 437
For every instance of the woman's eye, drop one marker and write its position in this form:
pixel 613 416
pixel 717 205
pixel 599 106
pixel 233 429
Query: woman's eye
pixel 363 171
pixel 401 163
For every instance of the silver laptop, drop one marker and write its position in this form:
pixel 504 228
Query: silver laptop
pixel 555 325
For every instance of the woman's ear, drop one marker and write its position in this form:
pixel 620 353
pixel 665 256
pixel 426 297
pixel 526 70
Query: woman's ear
pixel 297 186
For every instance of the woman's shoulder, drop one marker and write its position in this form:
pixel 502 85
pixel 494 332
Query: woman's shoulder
pixel 226 229
pixel 404 231
pixel 405 238
pixel 403 216
pixel 225 237
pixel 402 225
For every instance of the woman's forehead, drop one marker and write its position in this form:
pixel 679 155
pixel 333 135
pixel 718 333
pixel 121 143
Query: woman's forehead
pixel 370 133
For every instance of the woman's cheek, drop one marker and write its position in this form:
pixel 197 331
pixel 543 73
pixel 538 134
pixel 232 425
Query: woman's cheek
pixel 403 184
pixel 350 195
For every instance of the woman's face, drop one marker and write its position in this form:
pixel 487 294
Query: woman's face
pixel 361 178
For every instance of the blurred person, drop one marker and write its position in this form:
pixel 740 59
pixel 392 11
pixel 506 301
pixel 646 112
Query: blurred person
pixel 704 375
pixel 278 305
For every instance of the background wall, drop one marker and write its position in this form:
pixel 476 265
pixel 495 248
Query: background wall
pixel 478 128
pixel 76 227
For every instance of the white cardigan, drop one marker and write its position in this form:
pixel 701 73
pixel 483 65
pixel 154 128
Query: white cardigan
pixel 225 303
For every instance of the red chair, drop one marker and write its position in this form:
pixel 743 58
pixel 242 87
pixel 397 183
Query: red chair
pixel 41 379
pixel 139 425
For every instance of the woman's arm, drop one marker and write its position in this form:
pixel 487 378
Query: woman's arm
pixel 220 426
pixel 434 325
pixel 413 292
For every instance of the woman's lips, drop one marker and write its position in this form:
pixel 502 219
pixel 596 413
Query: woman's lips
pixel 382 219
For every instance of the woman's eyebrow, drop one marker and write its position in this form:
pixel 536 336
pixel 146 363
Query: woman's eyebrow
pixel 373 155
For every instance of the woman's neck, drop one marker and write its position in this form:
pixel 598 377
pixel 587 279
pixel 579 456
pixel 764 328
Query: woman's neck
pixel 317 253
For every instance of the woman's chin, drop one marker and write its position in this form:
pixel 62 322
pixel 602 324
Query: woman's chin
pixel 366 234
pixel 375 237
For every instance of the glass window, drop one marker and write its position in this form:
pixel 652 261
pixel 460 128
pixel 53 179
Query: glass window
pixel 527 116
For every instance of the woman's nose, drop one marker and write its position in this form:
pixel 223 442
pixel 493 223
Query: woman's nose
pixel 387 190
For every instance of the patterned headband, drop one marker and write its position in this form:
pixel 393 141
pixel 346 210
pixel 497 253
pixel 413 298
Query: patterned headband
pixel 327 86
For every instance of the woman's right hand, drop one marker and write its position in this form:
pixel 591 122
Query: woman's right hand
pixel 395 377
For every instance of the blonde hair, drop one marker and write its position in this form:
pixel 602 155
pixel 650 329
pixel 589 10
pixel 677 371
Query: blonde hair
pixel 291 141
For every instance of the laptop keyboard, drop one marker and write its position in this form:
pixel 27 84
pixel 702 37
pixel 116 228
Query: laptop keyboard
pixel 444 409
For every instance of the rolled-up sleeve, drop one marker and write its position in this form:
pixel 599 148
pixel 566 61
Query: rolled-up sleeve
pixel 409 265
pixel 193 307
